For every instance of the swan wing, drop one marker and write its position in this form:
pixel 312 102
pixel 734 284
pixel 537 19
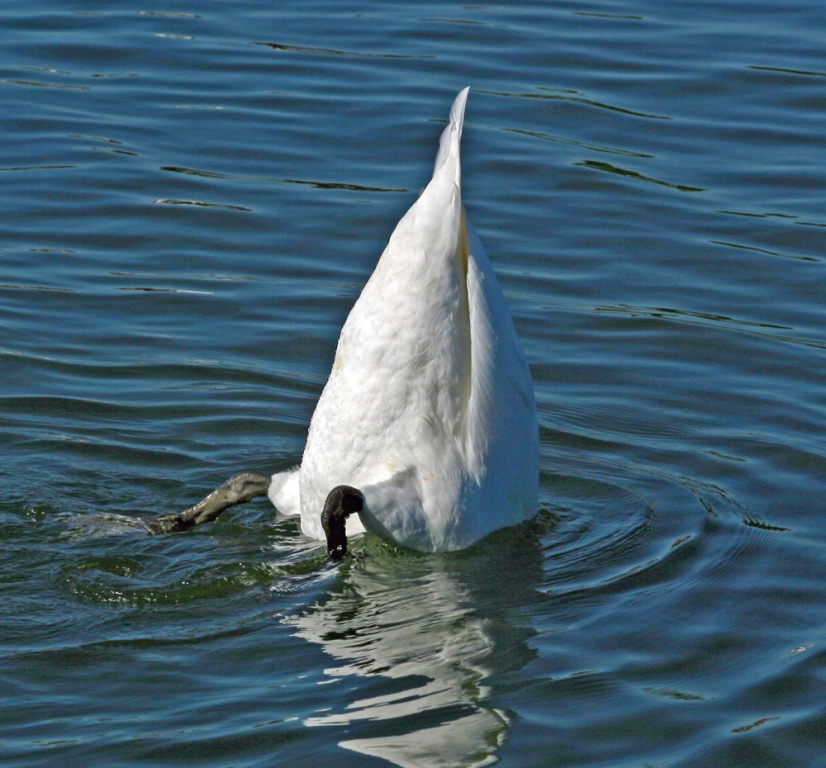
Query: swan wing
pixel 502 431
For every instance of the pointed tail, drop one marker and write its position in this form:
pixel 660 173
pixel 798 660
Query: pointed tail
pixel 452 135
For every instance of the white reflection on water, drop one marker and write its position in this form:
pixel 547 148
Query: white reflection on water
pixel 437 627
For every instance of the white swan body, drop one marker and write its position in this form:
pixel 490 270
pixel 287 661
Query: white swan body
pixel 429 408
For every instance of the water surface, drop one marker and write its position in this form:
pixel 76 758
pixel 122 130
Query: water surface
pixel 193 197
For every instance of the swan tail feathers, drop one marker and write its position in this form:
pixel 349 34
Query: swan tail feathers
pixel 283 492
pixel 452 135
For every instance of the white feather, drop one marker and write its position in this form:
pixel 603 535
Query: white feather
pixel 429 408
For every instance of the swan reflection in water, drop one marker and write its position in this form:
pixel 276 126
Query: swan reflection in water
pixel 430 630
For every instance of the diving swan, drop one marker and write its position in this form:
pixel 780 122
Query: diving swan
pixel 426 430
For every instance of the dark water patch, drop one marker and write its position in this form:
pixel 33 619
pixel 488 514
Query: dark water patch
pixel 38 168
pixel 202 204
pixel 578 99
pixel 764 251
pixel 609 168
pixel 268 180
pixel 111 581
pixel 619 16
pixel 581 145
pixel 788 71
pixel 40 84
pixel 170 14
pixel 304 49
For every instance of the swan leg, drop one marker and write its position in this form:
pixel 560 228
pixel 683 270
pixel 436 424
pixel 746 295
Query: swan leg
pixel 237 490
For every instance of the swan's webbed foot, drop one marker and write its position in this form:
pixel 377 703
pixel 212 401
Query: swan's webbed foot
pixel 341 502
pixel 171 523
pixel 237 490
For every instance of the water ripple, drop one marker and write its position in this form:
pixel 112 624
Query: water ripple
pixel 336 52
pixel 574 98
pixel 665 605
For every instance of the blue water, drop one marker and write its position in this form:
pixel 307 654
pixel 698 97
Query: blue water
pixel 193 195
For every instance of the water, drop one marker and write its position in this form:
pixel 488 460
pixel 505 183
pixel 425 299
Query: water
pixel 193 196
